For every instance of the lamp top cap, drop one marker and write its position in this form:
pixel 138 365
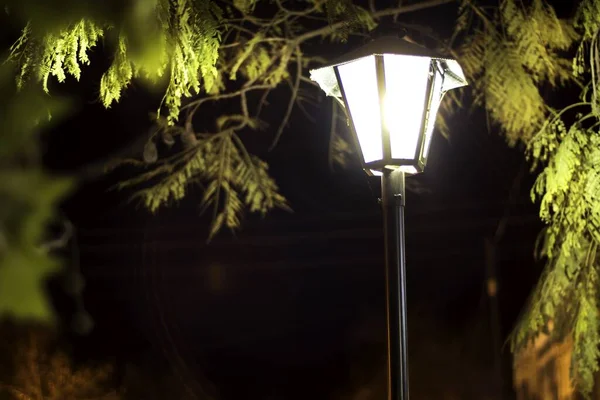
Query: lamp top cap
pixel 388 44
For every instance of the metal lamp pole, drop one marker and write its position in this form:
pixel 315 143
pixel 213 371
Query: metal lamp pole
pixel 377 84
pixel 393 200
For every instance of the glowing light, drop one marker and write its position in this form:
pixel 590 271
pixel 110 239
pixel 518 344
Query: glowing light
pixel 406 87
pixel 391 89
pixel 359 79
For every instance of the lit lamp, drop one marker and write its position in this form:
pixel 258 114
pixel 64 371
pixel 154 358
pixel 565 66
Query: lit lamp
pixel 391 90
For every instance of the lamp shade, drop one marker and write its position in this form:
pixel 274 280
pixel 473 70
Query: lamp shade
pixel 391 90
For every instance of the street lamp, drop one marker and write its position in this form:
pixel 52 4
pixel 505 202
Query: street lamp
pixel 391 90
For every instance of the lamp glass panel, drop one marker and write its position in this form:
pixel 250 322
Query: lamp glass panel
pixel 359 80
pixel 436 99
pixel 406 79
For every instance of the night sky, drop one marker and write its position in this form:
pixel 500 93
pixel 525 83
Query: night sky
pixel 293 305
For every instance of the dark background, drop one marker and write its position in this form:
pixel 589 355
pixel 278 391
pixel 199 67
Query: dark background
pixel 292 306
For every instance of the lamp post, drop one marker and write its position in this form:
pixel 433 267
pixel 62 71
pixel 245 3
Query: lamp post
pixel 391 90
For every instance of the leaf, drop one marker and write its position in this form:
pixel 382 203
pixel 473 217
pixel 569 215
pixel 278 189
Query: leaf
pixel 118 76
pixel 216 225
pixel 22 291
pixel 244 54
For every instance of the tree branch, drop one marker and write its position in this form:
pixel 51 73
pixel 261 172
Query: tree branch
pixel 290 106
pixel 379 14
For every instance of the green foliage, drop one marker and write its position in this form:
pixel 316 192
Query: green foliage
pixel 56 54
pixel 255 59
pixel 63 52
pixel 568 189
pixel 257 64
pixel 117 77
pixel 184 38
pixel 587 19
pixel 586 335
pixel 508 55
pixel 194 41
pixel 539 37
pixel 234 177
pixel 28 200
